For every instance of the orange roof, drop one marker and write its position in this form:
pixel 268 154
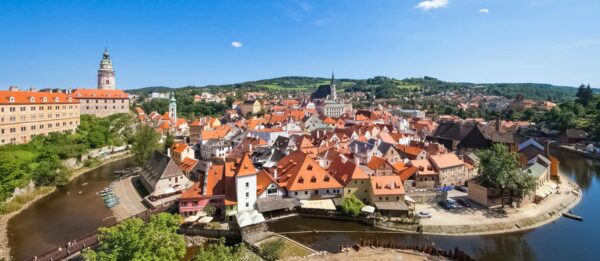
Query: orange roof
pixel 195 191
pixel 375 162
pixel 385 137
pixel 423 166
pixel 100 94
pixel 409 150
pixel 361 117
pixel 263 180
pixel 179 147
pixel 387 185
pixel 329 120
pixel 195 123
pixel 181 121
pixel 446 160
pixel 245 167
pixel 187 164
pixel 297 171
pixel 345 170
pixel 19 97
pixel 407 173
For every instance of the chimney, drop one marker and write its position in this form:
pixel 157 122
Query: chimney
pixel 33 89
pixel 169 152
pixel 498 124
pixel 275 174
pixel 13 88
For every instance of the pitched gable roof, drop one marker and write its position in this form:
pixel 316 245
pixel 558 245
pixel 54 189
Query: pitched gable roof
pixel 298 171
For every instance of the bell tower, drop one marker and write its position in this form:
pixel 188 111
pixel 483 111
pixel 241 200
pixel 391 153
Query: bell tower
pixel 106 74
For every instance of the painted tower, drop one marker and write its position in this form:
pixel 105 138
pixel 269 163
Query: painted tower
pixel 332 91
pixel 173 107
pixel 106 74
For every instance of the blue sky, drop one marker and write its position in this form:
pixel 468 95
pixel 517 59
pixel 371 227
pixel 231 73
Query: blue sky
pixel 177 43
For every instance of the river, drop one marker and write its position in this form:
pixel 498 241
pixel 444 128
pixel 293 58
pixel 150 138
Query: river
pixel 563 239
pixel 65 214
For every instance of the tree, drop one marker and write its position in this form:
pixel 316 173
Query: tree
pixel 50 170
pixel 352 206
pixel 584 95
pixel 169 141
pixel 134 240
pixel 221 252
pixel 144 144
pixel 210 210
pixel 499 169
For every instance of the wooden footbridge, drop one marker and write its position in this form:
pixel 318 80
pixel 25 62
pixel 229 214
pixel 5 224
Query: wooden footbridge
pixel 76 245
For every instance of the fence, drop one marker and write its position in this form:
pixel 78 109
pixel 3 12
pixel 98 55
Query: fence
pixel 455 254
pixel 91 240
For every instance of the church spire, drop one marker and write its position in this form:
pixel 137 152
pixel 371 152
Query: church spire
pixel 332 91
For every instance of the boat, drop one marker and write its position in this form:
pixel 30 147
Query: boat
pixel 572 216
pixel 576 192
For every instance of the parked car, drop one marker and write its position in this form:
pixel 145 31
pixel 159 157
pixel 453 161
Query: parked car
pixel 462 188
pixel 423 214
pixel 448 204
pixel 464 202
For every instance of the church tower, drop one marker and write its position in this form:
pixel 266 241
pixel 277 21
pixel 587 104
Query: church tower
pixel 332 91
pixel 173 107
pixel 106 74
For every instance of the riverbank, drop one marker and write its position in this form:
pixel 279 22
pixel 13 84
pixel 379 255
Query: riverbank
pixel 368 253
pixel 482 221
pixel 41 193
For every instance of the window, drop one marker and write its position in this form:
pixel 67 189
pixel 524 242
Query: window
pixel 379 198
pixel 247 204
pixel 247 184
pixel 247 195
pixel 305 192
pixel 316 192
pixel 348 191
pixel 296 193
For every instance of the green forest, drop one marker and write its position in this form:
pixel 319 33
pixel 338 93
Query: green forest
pixel 40 160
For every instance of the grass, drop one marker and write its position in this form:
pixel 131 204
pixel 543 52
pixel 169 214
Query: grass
pixel 17 202
pixel 281 248
pixel 280 88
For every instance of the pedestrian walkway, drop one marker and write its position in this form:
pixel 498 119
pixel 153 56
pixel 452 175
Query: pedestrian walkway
pixel 130 199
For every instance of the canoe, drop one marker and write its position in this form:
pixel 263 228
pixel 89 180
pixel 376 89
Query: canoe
pixel 572 216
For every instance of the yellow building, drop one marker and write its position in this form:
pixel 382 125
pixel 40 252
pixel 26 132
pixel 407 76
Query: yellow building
pixel 253 107
pixel 24 114
pixel 352 177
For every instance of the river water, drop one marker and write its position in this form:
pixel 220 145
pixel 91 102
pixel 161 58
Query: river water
pixel 564 239
pixel 66 214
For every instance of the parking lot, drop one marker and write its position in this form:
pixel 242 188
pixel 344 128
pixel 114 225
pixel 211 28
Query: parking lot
pixel 477 214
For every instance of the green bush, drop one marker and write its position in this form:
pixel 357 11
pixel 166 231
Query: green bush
pixel 352 206
pixel 273 248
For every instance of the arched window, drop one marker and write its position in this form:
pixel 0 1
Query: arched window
pixel 11 99
pixel 32 99
pixel 45 99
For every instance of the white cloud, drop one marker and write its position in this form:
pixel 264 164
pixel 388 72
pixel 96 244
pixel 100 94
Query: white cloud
pixel 236 44
pixel 484 11
pixel 432 4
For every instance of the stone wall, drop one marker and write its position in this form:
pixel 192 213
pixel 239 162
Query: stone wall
pixel 428 196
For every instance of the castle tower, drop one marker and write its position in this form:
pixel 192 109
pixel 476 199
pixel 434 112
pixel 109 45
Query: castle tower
pixel 173 107
pixel 332 91
pixel 106 74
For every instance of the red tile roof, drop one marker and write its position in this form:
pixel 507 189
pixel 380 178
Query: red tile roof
pixel 297 171
pixel 100 94
pixel 387 185
pixel 19 97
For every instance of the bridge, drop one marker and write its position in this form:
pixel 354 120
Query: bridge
pixel 76 245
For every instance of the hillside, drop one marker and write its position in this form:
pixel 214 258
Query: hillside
pixel 381 86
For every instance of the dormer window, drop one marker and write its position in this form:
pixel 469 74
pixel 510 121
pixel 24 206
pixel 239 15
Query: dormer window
pixel 55 99
pixel 11 99
pixel 32 99
pixel 93 94
pixel 326 179
pixel 70 99
pixel 79 95
pixel 310 167
pixel 301 180
pixel 45 99
pixel 313 179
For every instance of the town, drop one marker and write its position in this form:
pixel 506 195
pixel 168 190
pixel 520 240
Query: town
pixel 263 156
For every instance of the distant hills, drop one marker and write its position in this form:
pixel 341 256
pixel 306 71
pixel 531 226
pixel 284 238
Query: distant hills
pixel 384 86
